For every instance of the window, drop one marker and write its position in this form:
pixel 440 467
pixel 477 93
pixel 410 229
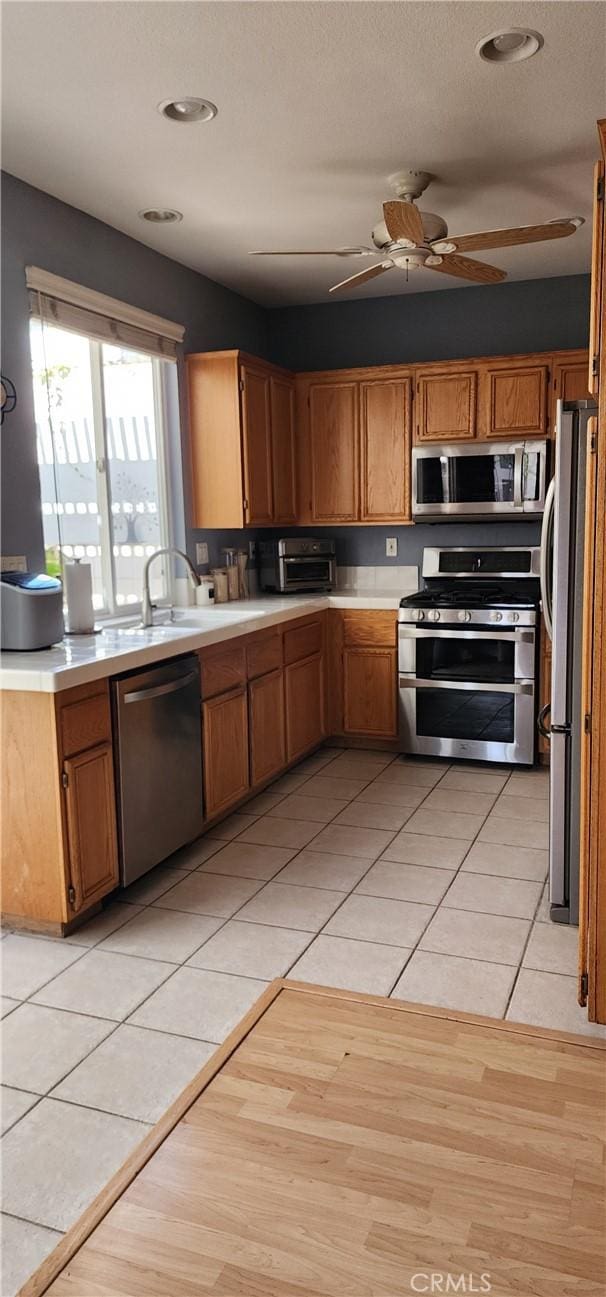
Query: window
pixel 100 424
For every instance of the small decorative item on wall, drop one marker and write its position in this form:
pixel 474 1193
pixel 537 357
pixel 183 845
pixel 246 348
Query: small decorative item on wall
pixel 8 397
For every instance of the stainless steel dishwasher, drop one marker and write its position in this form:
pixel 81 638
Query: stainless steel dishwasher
pixel 158 753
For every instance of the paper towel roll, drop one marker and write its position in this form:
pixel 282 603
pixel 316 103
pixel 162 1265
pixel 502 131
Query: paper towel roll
pixel 78 583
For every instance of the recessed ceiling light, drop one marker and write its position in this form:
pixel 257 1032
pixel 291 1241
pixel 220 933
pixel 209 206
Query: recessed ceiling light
pixel 511 45
pixel 188 109
pixel 161 215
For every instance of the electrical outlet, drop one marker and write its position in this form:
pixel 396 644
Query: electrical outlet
pixel 201 553
pixel 13 563
pixel 391 546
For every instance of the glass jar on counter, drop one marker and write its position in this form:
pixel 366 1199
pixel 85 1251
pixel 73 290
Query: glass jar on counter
pixel 219 576
pixel 230 559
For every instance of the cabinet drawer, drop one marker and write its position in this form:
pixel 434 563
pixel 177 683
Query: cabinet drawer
pixel 302 641
pixel 222 668
pixel 368 629
pixel 85 723
pixel 264 655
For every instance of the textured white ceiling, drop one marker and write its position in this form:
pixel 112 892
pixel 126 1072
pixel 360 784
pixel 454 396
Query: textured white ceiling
pixel 318 104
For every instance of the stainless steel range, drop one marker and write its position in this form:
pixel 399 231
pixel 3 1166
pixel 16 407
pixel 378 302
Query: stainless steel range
pixel 467 655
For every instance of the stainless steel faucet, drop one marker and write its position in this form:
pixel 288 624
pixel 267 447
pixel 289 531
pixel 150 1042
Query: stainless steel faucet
pixel 146 604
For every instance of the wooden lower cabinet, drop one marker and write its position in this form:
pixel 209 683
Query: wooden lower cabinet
pixel 88 780
pixel 369 692
pixel 304 694
pixel 267 726
pixel 225 750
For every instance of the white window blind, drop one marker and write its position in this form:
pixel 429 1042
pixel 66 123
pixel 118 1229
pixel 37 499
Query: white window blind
pixel 70 306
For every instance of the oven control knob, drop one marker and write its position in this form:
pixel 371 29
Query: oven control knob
pixel 434 614
pixel 496 616
pixel 514 616
pixel 464 615
pixel 417 614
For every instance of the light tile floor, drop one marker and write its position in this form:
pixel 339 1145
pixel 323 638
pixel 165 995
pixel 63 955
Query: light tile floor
pixel 420 880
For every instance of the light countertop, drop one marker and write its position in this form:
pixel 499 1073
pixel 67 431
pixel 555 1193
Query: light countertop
pixel 126 647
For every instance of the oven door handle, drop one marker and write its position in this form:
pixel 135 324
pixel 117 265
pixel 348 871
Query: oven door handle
pixel 517 687
pixel 511 637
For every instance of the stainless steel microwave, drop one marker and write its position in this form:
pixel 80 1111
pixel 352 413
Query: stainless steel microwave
pixel 482 480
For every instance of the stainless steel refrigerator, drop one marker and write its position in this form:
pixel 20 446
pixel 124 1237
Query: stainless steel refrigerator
pixel 561 720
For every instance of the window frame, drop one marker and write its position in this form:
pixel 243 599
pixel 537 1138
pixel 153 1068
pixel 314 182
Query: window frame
pixel 112 611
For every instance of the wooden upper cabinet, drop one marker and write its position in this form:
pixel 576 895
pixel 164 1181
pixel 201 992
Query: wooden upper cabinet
pixel 256 432
pixel 446 405
pixel 333 451
pixel 514 401
pixel 570 383
pixel 282 406
pixel 385 433
pixel 241 441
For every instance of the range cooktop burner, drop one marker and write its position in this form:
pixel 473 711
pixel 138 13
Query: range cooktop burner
pixel 473 594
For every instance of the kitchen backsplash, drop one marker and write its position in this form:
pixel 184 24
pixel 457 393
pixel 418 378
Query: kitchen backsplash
pixel 400 579
pixel 365 546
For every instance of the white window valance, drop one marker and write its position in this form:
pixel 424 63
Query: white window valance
pixel 71 306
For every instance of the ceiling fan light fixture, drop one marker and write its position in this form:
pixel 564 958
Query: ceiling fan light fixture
pixel 509 45
pixel 410 260
pixel 189 109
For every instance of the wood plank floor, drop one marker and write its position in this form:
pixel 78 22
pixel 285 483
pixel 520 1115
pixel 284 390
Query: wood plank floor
pixel 348 1146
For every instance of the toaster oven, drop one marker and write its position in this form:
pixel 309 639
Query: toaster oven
pixel 297 564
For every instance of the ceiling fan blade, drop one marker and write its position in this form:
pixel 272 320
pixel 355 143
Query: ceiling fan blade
pixel 509 238
pixel 403 221
pixel 319 252
pixel 467 268
pixel 362 276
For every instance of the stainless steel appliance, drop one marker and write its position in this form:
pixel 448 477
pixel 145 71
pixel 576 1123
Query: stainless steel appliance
pixel 479 480
pixel 158 756
pixel 296 564
pixel 562 550
pixel 31 611
pixel 467 655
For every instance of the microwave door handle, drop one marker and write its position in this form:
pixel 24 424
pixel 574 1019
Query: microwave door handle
pixel 518 470
pixel 546 557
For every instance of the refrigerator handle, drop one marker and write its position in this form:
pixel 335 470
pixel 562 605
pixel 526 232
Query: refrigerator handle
pixel 541 721
pixel 546 557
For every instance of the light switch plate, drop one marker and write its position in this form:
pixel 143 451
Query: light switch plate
pixel 201 553
pixel 391 546
pixel 13 563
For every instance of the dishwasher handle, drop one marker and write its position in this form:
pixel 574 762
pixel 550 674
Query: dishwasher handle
pixel 156 691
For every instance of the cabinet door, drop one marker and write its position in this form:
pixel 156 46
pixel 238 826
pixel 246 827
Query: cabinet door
pixel 256 437
pixel 385 451
pixel 369 692
pixel 514 401
pixel 570 383
pixel 91 824
pixel 304 692
pixel 333 443
pixel 267 726
pixel 446 406
pixel 225 745
pixel 282 398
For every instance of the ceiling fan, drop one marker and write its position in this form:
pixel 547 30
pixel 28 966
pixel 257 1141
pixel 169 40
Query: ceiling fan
pixel 409 238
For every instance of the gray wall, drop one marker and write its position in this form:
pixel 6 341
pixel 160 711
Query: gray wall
pixel 535 315
pixel 41 231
